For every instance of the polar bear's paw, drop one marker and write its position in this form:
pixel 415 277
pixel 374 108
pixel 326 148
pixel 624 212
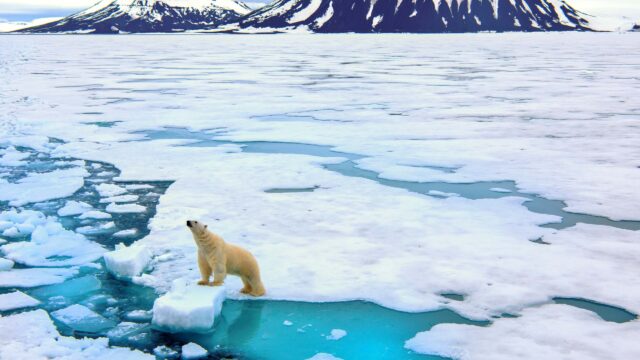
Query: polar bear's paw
pixel 204 282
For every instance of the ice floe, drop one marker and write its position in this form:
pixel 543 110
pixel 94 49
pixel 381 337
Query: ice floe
pixel 188 307
pixel 108 190
pixel 125 208
pixel 16 300
pixel 72 207
pixel 6 264
pixel 126 261
pixel 81 318
pixel 36 187
pixel 193 351
pixel 25 278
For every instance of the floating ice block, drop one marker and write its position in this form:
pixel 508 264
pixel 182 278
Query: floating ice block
pixel 81 318
pixel 16 300
pixel 193 351
pixel 188 307
pixel 70 288
pixel 5 264
pixel 127 261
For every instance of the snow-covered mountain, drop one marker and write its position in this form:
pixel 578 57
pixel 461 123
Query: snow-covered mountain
pixel 429 16
pixel 636 27
pixel 111 16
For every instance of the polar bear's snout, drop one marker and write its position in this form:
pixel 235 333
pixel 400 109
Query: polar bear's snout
pixel 189 223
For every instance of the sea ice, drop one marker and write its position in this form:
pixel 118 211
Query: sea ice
pixel 119 199
pixel 336 334
pixel 547 332
pixel 53 245
pixel 5 264
pixel 69 289
pixel 81 318
pixel 35 277
pixel 124 330
pixel 39 339
pixel 188 307
pixel 16 300
pixel 72 207
pixel 125 208
pixel 107 190
pixel 12 157
pixel 164 352
pixel 126 233
pixel 37 187
pixel 323 356
pixel 193 351
pixel 96 229
pixel 127 261
pixel 95 214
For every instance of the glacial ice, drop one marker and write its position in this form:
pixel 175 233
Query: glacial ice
pixel 188 307
pixel 126 261
pixel 16 300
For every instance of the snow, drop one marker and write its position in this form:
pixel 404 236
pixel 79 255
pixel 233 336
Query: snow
pixel 81 318
pixel 306 12
pixel 16 300
pixel 188 307
pixel 12 157
pixel 5 264
pixel 37 187
pixel 336 334
pixel 193 351
pixel 41 340
pixel 74 208
pixel 49 240
pixel 326 16
pixel 547 332
pixel 126 261
pixel 125 208
pixel 34 277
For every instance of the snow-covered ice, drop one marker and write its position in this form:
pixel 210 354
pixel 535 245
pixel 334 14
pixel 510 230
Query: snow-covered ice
pixel 36 187
pixel 95 214
pixel 74 208
pixel 193 351
pixel 109 190
pixel 336 334
pixel 16 300
pixel 81 318
pixel 126 261
pixel 547 332
pixel 188 307
pixel 126 233
pixel 39 339
pixel 125 208
pixel 119 199
pixel 25 278
pixel 6 264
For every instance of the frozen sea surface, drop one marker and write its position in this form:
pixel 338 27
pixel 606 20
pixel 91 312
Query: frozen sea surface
pixel 355 168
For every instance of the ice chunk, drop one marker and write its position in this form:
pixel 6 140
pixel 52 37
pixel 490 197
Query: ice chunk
pixel 16 300
pixel 119 199
pixel 101 228
pixel 124 330
pixel 139 315
pixel 53 245
pixel 68 289
pixel 74 208
pixel 138 186
pixel 5 264
pixel 12 157
pixel 188 307
pixel 193 351
pixel 125 208
pixel 126 233
pixel 37 187
pixel 14 223
pixel 287 323
pixel 127 261
pixel 81 318
pixel 95 214
pixel 34 277
pixel 500 190
pixel 39 339
pixel 323 356
pixel 164 352
pixel 106 190
pixel 336 334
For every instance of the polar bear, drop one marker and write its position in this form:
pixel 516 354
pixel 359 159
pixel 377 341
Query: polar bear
pixel 214 254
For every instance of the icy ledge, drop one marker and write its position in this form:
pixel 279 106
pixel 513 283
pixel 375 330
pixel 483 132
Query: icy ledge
pixel 42 341
pixel 188 307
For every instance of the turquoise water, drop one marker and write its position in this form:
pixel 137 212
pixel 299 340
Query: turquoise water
pixel 254 329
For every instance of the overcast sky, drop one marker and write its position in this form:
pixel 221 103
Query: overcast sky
pixel 23 10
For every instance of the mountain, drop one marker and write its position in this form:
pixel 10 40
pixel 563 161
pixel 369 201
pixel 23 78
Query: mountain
pixel 636 27
pixel 422 16
pixel 113 16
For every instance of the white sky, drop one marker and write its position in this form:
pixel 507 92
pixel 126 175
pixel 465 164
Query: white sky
pixel 40 8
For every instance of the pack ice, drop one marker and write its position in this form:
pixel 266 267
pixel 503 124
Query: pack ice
pixel 127 262
pixel 188 307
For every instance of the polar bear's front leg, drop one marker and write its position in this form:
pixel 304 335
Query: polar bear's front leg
pixel 205 269
pixel 220 271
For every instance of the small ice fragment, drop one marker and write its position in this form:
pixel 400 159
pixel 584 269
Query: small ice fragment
pixel 188 307
pixel 16 300
pixel 323 356
pixel 74 208
pixel 6 264
pixel 120 199
pixel 119 334
pixel 287 323
pixel 91 230
pixel 127 261
pixel 139 315
pixel 193 351
pixel 164 352
pixel 81 318
pixel 95 214
pixel 138 186
pixel 125 208
pixel 126 233
pixel 106 190
pixel 501 190
pixel 336 334
pixel 441 193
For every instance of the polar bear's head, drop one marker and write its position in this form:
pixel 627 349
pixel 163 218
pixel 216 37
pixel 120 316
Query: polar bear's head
pixel 196 227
